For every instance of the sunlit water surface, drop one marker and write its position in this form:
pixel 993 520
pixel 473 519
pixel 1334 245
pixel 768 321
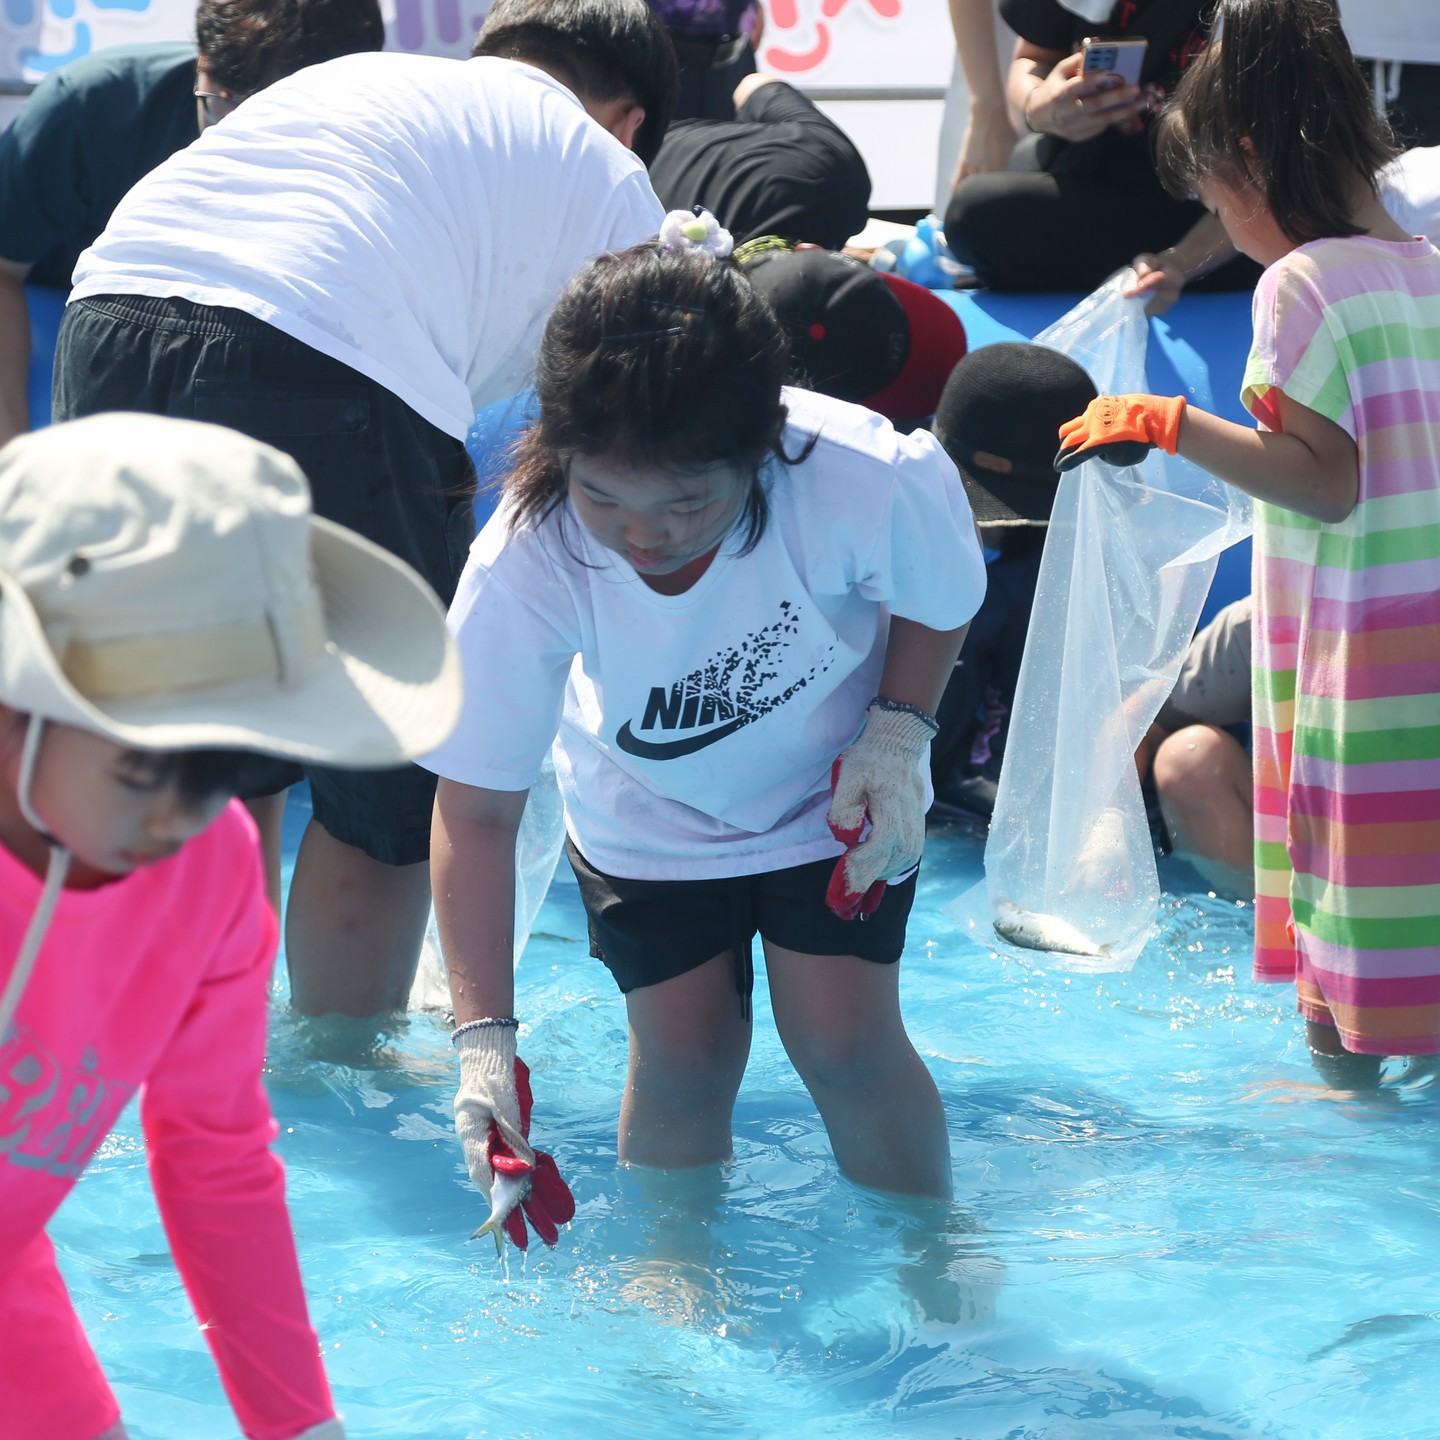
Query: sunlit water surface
pixel 1164 1228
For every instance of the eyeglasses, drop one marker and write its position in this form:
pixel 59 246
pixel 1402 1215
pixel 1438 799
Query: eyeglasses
pixel 215 105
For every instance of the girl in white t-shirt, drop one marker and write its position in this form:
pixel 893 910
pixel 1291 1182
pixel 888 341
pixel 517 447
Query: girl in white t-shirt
pixel 707 590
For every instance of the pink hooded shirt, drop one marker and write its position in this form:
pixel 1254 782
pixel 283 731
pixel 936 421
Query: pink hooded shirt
pixel 157 982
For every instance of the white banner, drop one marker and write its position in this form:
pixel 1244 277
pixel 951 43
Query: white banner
pixel 878 63
pixel 816 44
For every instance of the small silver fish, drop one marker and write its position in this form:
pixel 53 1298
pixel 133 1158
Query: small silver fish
pixel 506 1192
pixel 1035 931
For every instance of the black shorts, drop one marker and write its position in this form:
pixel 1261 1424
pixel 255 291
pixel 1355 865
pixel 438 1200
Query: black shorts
pixel 647 931
pixel 373 465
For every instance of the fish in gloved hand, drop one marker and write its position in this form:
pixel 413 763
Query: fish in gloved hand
pixel 492 1115
pixel 510 1188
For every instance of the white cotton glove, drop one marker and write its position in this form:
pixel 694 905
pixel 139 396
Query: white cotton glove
pixel 326 1430
pixel 488 1093
pixel 879 779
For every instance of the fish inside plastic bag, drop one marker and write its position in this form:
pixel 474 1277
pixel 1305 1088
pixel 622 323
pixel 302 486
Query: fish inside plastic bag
pixel 1130 554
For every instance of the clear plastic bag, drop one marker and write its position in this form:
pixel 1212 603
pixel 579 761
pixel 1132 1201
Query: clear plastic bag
pixel 1069 865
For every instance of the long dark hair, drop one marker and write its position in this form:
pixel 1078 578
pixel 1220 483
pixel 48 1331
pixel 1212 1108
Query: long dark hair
pixel 1277 102
pixel 659 360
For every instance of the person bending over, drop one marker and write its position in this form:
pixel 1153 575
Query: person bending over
pixel 353 292
pixel 94 127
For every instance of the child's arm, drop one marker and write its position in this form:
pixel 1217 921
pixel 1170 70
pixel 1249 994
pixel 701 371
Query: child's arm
pixel 918 662
pixel 221 1190
pixel 1310 465
pixel 472 870
pixel 472 874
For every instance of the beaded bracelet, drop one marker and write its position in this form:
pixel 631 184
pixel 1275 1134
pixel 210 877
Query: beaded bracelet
pixel 881 703
pixel 490 1022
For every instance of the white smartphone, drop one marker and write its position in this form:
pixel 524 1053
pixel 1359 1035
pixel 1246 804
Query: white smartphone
pixel 1114 57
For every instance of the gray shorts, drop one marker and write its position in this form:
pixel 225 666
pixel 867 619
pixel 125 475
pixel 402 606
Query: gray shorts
pixel 1214 683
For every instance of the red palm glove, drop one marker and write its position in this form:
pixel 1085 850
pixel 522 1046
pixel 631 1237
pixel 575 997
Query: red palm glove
pixel 548 1204
pixel 849 904
pixel 1121 430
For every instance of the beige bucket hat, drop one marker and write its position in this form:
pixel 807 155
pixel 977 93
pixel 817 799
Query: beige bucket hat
pixel 163 583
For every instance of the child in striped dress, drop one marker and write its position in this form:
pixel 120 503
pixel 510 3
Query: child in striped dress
pixel 1275 129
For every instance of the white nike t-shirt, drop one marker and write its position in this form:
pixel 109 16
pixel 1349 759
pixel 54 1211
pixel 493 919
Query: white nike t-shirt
pixel 413 217
pixel 695 732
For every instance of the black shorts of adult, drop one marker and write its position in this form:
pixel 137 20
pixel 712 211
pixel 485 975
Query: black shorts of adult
pixel 1025 229
pixel 781 167
pixel 373 465
pixel 647 931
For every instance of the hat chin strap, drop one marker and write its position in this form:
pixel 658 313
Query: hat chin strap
pixel 56 870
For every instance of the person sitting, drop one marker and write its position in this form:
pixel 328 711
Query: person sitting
pixel 1196 767
pixel 994 419
pixel 94 127
pixel 1081 197
pixel 780 167
pixel 715 42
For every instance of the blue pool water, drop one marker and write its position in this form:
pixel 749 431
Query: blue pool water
pixel 1163 1229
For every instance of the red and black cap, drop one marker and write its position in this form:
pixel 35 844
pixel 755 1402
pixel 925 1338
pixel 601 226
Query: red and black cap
pixel 857 334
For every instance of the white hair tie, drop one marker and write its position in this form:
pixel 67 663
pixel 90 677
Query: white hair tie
pixel 695 230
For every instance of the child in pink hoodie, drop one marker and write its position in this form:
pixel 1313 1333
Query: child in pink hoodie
pixel 168 608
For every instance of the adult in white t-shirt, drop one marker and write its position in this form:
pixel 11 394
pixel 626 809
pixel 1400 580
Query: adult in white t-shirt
pixel 348 267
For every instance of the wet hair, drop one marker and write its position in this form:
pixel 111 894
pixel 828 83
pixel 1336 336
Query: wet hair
pixel 249 44
pixel 1276 102
pixel 657 360
pixel 603 49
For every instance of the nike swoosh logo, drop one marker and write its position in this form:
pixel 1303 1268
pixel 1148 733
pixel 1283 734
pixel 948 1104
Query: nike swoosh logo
pixel 674 749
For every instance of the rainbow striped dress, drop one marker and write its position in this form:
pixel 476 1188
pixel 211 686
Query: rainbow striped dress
pixel 1347 650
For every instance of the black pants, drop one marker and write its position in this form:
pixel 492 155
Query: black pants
pixel 1024 229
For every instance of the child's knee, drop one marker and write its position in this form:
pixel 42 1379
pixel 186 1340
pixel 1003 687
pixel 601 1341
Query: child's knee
pixel 1187 762
pixel 1185 755
pixel 851 1055
pixel 684 1073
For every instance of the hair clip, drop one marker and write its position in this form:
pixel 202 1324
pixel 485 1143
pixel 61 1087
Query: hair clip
pixel 758 245
pixel 695 230
pixel 684 316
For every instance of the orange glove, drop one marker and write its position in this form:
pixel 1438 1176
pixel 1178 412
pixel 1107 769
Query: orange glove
pixel 1121 430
